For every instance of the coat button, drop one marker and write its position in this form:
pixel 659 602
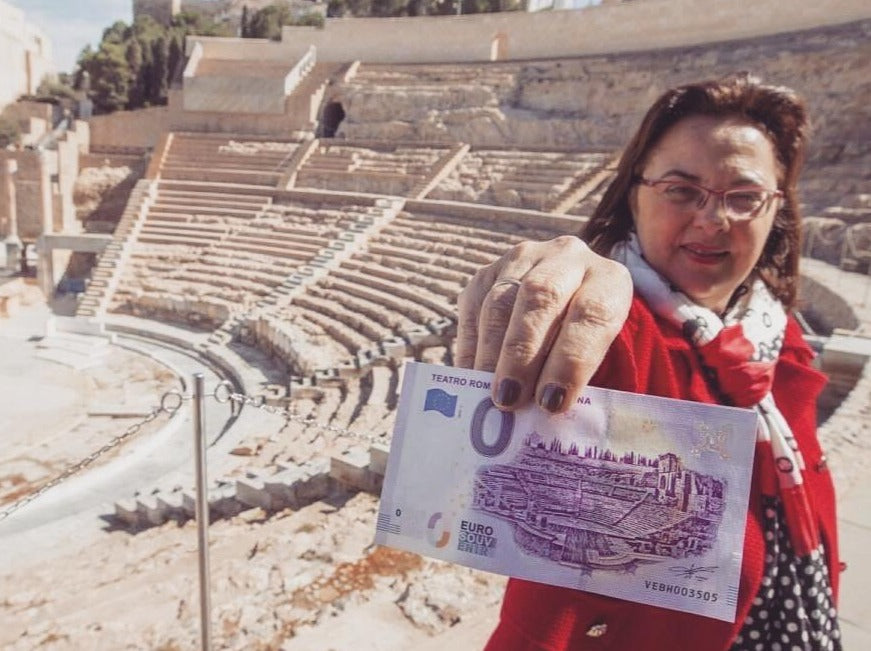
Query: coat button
pixel 597 630
pixel 822 464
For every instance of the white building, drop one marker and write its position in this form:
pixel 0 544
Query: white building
pixel 542 5
pixel 25 53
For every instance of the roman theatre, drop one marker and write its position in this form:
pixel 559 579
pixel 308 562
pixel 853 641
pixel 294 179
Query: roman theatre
pixel 297 223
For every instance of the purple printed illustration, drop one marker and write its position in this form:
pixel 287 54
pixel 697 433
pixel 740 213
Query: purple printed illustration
pixel 595 509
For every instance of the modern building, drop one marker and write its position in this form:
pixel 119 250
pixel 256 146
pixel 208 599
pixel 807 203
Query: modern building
pixel 25 52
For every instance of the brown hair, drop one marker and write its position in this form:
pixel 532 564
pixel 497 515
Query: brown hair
pixel 776 110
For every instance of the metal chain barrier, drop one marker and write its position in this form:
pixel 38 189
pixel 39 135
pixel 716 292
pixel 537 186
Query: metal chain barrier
pixel 224 393
pixel 170 403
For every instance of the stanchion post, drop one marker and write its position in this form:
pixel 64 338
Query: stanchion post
pixel 202 513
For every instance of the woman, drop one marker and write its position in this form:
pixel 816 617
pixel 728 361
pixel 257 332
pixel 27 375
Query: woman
pixel 704 214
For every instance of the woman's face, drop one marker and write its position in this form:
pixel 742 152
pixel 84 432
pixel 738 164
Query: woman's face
pixel 698 248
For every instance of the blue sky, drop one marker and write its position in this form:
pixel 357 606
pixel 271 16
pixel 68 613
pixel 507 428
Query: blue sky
pixel 72 24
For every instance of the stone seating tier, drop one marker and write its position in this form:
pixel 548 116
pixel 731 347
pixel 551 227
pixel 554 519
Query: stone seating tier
pixel 264 248
pixel 435 76
pixel 397 311
pixel 340 338
pixel 385 289
pixel 325 302
pixel 518 178
pixel 200 173
pixel 202 235
pixel 161 207
pixel 185 196
pixel 437 239
pixel 389 322
pixel 505 231
pixel 263 160
pixel 410 276
pixel 367 260
pixel 193 203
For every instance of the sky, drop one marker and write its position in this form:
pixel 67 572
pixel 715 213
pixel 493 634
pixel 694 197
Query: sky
pixel 72 24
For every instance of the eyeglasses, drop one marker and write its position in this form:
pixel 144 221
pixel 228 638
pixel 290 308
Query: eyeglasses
pixel 740 204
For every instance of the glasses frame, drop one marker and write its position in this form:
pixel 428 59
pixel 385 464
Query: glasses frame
pixel 720 194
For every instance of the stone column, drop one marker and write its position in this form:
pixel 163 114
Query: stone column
pixel 45 267
pixel 12 242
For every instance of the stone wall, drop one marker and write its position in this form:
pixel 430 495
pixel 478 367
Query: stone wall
pixel 622 27
pixel 25 52
pixel 44 182
pixel 32 193
pixel 596 101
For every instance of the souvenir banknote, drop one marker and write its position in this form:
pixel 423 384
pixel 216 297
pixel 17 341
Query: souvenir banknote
pixel 625 495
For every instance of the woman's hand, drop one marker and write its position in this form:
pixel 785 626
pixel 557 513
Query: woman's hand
pixel 542 317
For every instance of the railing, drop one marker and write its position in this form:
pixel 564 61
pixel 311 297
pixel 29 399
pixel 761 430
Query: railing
pixel 300 70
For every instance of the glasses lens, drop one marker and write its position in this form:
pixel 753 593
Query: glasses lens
pixel 745 203
pixel 682 194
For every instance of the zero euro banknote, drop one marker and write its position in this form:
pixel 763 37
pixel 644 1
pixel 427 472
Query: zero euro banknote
pixel 625 495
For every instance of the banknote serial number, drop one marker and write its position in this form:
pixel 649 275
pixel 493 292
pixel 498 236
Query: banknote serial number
pixel 682 591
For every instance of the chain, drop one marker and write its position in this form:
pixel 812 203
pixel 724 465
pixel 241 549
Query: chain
pixel 224 393
pixel 170 403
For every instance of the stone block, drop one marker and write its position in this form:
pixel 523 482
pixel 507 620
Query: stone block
pixel 126 510
pixel 378 454
pixel 151 510
pixel 251 491
pixel 347 369
pixel 171 504
pixel 303 387
pixel 367 357
pixel 282 486
pixel 443 327
pixel 328 377
pixel 351 469
pixel 223 502
pixel 317 483
pixel 393 347
pixel 417 336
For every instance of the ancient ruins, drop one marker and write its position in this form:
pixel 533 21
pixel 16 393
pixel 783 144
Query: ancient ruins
pixel 297 223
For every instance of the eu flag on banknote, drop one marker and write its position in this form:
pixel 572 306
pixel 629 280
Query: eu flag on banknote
pixel 440 401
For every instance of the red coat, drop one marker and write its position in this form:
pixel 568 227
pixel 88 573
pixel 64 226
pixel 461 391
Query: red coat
pixel 650 356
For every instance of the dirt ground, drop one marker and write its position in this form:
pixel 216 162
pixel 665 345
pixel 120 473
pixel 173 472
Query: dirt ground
pixel 306 579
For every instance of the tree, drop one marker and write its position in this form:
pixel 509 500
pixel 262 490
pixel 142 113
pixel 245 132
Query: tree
pixel 243 26
pixel 159 71
pixel 267 22
pixel 136 96
pixel 109 77
pixel 176 55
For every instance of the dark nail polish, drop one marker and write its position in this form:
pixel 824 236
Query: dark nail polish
pixel 552 397
pixel 508 392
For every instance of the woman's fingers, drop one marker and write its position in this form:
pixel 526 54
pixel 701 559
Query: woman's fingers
pixel 484 308
pixel 591 321
pixel 542 317
pixel 540 302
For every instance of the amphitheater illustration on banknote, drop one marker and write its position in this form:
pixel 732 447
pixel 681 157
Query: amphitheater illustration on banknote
pixel 597 509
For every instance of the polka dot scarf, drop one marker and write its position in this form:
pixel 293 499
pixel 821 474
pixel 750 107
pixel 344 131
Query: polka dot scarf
pixel 739 353
pixel 794 609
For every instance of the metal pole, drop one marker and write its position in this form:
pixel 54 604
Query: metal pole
pixel 202 513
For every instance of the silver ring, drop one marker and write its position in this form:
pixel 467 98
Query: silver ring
pixel 507 281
